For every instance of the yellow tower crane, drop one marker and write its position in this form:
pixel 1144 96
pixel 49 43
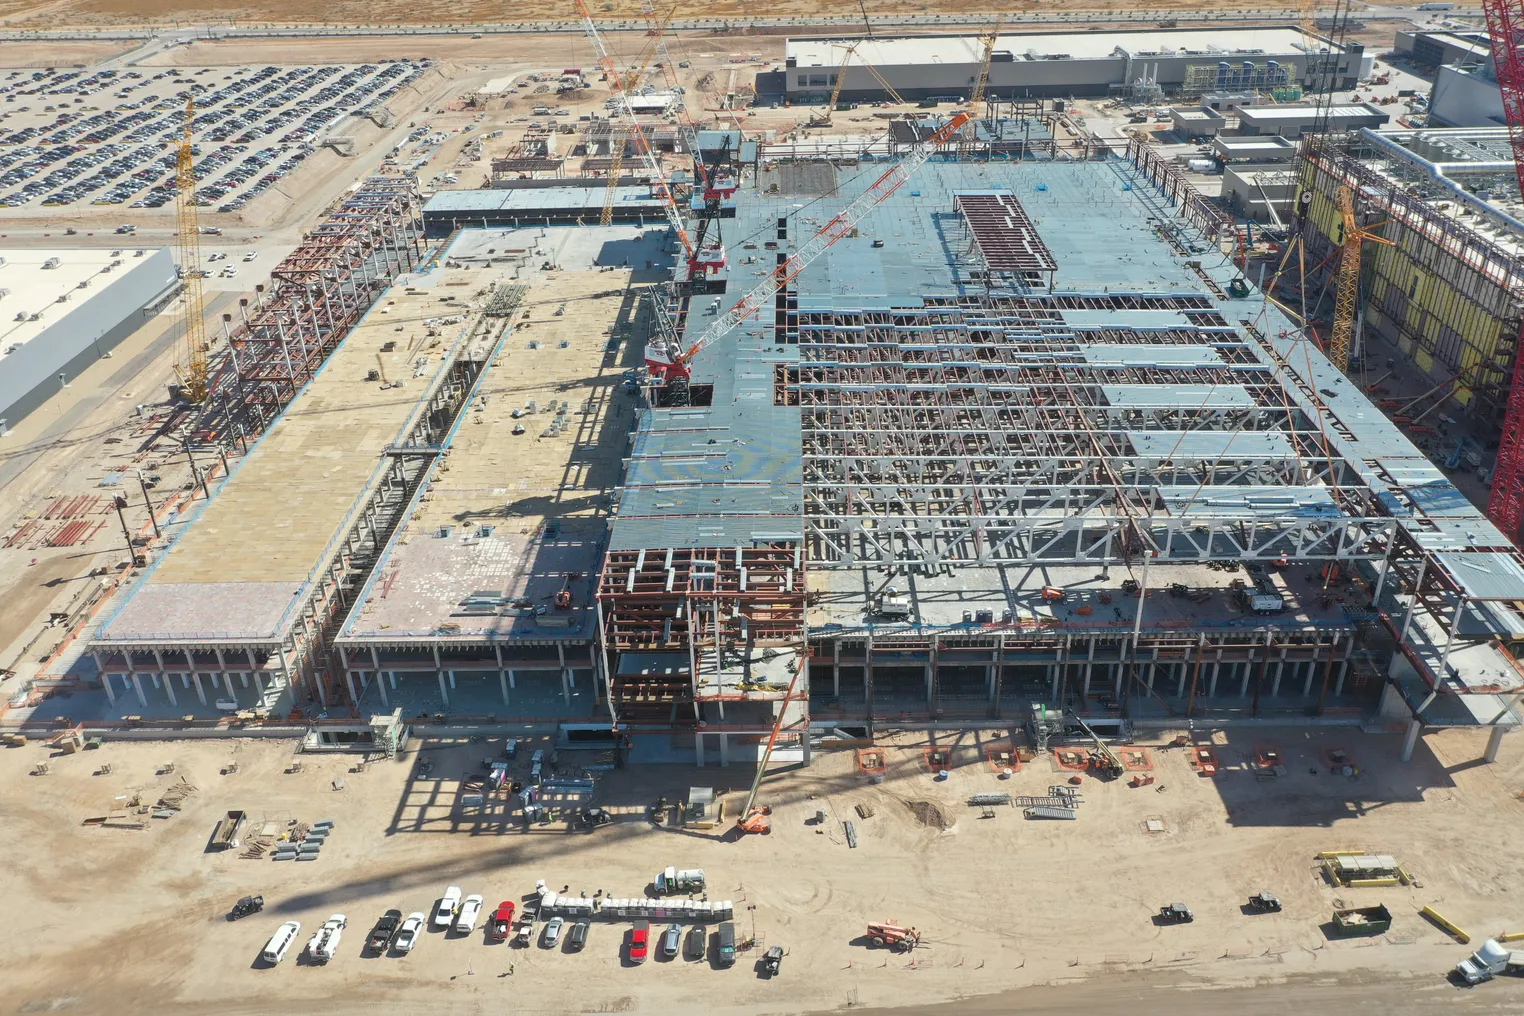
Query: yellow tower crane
pixel 988 39
pixel 1347 297
pixel 191 367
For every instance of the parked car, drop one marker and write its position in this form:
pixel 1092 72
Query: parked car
pixel 552 933
pixel 693 946
pixel 407 935
pixel 501 925
pixel 381 935
pixel 444 911
pixel 577 937
pixel 640 941
pixel 671 940
pixel 251 255
pixel 470 910
pixel 772 961
pixel 280 943
pixel 725 951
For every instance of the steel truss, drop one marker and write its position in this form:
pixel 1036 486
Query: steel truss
pixel 979 431
pixel 317 293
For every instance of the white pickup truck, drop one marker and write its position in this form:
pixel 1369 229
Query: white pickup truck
pixel 325 944
pixel 1489 961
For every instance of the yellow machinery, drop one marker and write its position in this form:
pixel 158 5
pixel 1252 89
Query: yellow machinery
pixel 988 39
pixel 1348 295
pixel 191 367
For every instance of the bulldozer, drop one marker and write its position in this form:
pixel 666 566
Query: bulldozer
pixel 893 936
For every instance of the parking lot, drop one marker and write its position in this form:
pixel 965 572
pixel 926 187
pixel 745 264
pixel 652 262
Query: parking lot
pixel 107 138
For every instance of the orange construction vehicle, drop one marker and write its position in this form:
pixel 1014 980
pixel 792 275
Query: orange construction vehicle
pixel 893 936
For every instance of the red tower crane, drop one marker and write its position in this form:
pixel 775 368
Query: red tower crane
pixel 1505 23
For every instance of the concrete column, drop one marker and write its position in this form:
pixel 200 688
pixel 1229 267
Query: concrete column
pixel 1411 740
pixel 1312 669
pixel 169 686
pixel 836 668
pixel 392 676
pixel 1181 670
pixel 349 678
pixel 1054 673
pixel 381 687
pixel 110 692
pixel 565 687
pixel 567 675
pixel 1339 682
pixel 137 686
pixel 1243 687
pixel 227 679
pixel 502 680
pixel 1494 742
pixel 1085 694
pixel 451 675
pixel 724 749
pixel 444 692
pixel 1212 680
pixel 989 680
pixel 1280 668
pixel 1148 680
pixel 200 691
pixel 698 749
pixel 243 678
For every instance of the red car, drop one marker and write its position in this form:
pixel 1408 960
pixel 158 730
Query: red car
pixel 640 941
pixel 502 921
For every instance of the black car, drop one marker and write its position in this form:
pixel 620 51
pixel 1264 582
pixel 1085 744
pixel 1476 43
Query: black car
pixel 577 938
pixel 246 906
pixel 381 935
pixel 693 945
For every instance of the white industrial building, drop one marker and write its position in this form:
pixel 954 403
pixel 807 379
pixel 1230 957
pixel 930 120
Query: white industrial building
pixel 1065 63
pixel 61 310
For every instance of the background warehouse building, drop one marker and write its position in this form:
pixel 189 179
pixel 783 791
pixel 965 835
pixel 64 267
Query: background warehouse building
pixel 60 310
pixel 1447 293
pixel 1067 64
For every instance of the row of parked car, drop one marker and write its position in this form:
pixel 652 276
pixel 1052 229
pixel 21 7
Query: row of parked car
pixel 398 935
pixel 129 144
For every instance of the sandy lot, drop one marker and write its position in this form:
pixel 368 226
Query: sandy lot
pixel 120 917
pixel 37 13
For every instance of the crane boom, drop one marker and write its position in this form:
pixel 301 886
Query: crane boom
pixel 1347 297
pixel 642 144
pixel 192 366
pixel 1505 25
pixel 668 362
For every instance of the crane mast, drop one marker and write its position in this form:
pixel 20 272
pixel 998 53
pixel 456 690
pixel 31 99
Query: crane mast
pixel 1347 297
pixel 1505 26
pixel 669 363
pixel 192 365
pixel 642 144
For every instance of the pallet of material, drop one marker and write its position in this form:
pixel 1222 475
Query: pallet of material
pixel 851 831
pixel 989 799
pixel 1046 811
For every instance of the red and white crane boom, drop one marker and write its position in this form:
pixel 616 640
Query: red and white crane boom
pixel 668 361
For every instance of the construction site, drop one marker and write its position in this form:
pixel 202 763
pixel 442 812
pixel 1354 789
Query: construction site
pixel 619 435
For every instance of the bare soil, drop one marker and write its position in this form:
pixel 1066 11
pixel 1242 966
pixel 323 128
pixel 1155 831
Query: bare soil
pixel 119 919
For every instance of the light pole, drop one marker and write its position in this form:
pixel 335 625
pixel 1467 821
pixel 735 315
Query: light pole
pixel 148 502
pixel 120 502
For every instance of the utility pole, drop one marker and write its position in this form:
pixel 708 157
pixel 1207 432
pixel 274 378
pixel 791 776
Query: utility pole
pixel 148 502
pixel 196 473
pixel 120 502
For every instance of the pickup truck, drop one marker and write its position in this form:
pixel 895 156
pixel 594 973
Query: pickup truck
pixel 325 944
pixel 381 935
pixel 1489 961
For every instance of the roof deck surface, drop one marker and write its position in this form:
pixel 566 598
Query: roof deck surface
pixel 242 569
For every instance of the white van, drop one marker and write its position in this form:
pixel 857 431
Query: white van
pixel 280 942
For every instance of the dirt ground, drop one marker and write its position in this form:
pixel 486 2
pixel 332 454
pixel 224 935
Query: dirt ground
pixel 41 13
pixel 118 918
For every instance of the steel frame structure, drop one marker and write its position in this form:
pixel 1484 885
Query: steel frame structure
pixel 973 431
pixel 317 293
